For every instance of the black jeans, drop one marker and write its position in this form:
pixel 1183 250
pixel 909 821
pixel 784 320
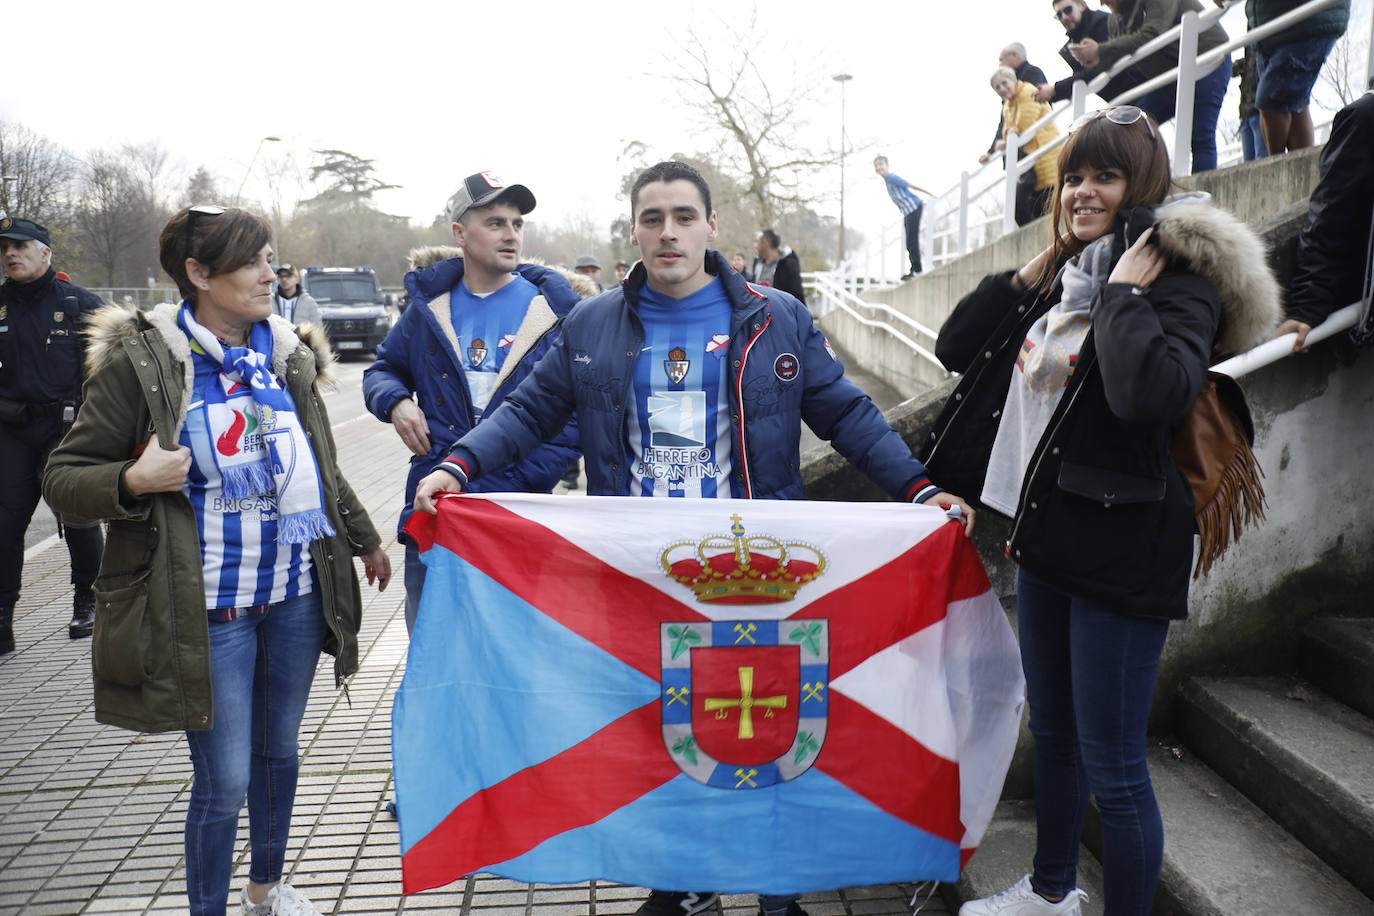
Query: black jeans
pixel 23 453
pixel 912 222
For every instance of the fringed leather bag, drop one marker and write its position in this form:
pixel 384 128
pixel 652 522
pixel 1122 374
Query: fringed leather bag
pixel 1212 448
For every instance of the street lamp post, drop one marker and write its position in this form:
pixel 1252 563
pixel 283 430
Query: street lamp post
pixel 842 78
pixel 238 195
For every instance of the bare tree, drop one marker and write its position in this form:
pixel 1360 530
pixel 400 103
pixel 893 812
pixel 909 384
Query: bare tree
pixel 42 173
pixel 110 205
pixel 758 119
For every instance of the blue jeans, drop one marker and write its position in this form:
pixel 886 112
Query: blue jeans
pixel 1208 93
pixel 912 224
pixel 1090 673
pixel 260 669
pixel 1252 145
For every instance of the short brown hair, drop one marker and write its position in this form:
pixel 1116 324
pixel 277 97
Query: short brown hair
pixel 1135 150
pixel 222 243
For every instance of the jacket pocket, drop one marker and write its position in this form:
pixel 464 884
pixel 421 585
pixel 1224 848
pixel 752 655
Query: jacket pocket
pixel 123 633
pixel 1107 486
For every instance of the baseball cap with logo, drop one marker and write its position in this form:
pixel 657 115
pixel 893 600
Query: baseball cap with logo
pixel 24 230
pixel 486 188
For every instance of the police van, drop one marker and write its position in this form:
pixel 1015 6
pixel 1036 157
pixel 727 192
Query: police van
pixel 356 313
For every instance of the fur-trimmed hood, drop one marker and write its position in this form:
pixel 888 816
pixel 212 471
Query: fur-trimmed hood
pixel 429 255
pixel 109 327
pixel 1220 248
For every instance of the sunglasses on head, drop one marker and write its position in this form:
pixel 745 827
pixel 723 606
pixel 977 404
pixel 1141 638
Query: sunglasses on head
pixel 191 215
pixel 1119 114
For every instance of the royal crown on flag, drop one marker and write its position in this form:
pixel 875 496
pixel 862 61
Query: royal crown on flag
pixel 742 570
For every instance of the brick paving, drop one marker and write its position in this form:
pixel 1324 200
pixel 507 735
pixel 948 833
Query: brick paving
pixel 91 816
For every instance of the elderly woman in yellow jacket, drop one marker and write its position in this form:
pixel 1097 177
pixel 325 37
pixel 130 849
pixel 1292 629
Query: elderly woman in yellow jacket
pixel 1019 111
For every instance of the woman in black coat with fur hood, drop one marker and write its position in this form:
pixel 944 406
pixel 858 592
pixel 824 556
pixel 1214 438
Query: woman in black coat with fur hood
pixel 1077 369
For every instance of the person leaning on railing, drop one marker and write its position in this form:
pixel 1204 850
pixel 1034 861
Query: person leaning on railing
pixel 1332 266
pixel 1020 110
pixel 1135 22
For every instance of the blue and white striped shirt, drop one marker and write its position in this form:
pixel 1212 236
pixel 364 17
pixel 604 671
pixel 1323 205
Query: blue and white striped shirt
pixel 902 195
pixel 678 424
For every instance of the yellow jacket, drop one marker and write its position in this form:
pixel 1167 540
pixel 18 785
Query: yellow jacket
pixel 1019 113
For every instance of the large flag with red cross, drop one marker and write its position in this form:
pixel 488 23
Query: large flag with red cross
pixel 739 696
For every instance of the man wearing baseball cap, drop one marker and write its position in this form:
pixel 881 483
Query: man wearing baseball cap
pixel 42 360
pixel 589 267
pixel 291 301
pixel 479 319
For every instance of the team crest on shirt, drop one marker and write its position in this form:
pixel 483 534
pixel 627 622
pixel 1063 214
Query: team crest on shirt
pixel 506 341
pixel 477 353
pixel 677 365
pixel 717 345
pixel 786 367
pixel 57 317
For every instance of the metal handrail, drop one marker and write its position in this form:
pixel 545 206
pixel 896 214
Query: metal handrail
pixel 1271 351
pixel 841 299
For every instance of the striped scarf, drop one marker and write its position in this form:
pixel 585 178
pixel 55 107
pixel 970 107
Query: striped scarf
pixel 261 449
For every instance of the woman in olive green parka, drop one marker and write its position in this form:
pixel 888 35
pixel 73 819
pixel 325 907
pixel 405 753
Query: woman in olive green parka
pixel 140 379
pixel 229 568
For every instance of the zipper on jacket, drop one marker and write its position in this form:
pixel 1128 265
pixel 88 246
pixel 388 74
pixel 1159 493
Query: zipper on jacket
pixel 1045 441
pixel 739 402
pixel 161 382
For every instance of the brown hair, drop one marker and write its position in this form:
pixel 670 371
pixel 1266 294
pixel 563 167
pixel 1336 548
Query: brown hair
pixel 1135 150
pixel 222 243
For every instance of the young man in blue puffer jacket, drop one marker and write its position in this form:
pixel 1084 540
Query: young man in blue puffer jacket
pixel 689 382
pixel 476 326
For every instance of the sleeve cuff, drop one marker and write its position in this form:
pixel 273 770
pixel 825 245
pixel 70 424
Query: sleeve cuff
pixel 921 491
pixel 457 467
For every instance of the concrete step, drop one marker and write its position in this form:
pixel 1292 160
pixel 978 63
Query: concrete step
pixel 1337 654
pixel 1006 853
pixel 1304 758
pixel 1224 857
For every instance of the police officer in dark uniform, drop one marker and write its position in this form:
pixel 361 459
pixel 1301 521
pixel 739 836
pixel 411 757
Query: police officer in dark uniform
pixel 42 356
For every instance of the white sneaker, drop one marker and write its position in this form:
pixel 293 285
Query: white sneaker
pixel 1021 900
pixel 282 900
pixel 249 908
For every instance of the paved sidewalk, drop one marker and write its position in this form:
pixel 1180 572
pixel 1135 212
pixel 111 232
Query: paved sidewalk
pixel 91 816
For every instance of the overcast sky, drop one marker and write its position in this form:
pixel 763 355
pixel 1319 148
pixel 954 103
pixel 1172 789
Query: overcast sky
pixel 544 93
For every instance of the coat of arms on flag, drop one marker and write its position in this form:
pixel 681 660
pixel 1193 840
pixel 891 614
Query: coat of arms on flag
pixel 744 704
pixel 749 697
